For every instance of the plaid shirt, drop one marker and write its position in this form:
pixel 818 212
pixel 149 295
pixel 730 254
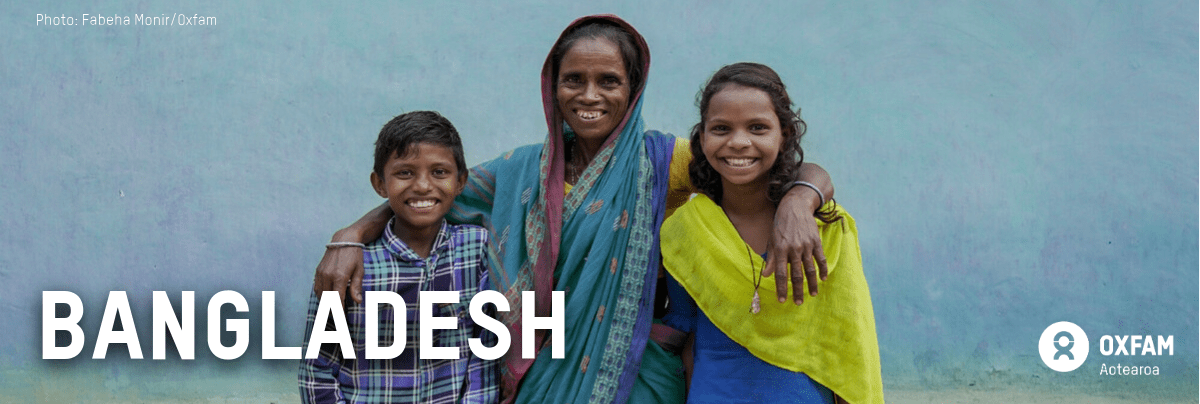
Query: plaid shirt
pixel 456 262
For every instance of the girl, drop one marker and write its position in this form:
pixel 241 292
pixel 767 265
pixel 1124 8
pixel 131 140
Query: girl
pixel 741 349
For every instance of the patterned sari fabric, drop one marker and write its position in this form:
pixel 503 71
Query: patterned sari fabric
pixel 598 244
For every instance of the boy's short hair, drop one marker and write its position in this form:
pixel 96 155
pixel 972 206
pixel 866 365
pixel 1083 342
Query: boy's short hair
pixel 405 130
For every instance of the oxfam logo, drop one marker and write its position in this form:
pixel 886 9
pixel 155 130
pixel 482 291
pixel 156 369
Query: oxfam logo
pixel 1063 346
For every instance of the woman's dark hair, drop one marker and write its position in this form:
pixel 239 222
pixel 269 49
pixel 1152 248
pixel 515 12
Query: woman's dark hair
pixel 791 155
pixel 608 30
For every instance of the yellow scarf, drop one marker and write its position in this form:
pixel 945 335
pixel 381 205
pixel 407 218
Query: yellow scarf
pixel 831 337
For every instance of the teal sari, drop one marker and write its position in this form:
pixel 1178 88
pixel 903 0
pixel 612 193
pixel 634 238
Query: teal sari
pixel 598 244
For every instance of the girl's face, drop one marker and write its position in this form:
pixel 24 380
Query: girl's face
pixel 742 135
pixel 593 88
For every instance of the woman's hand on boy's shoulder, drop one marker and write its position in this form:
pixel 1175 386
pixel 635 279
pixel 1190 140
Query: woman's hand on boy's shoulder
pixel 340 269
pixel 342 266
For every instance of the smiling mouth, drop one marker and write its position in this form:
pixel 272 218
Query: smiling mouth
pixel 739 162
pixel 422 204
pixel 588 116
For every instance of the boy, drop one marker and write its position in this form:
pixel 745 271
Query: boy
pixel 420 169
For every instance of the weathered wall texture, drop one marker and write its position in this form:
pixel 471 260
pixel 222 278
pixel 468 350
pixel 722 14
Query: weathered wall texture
pixel 1010 164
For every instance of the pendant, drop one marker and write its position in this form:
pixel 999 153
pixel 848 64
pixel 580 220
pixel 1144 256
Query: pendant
pixel 754 307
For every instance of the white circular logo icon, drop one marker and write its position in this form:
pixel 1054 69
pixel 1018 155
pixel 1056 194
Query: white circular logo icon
pixel 1063 346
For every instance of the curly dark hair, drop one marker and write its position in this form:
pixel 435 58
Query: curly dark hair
pixel 791 155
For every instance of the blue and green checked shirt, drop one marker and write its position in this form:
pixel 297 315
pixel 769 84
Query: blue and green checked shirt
pixel 457 261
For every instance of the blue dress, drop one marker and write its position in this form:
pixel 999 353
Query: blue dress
pixel 725 372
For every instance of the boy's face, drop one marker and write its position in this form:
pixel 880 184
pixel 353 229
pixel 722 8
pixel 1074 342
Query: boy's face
pixel 420 187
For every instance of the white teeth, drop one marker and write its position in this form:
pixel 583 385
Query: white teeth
pixel 739 162
pixel 422 204
pixel 589 115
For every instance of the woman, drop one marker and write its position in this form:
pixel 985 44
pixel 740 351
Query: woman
pixel 580 213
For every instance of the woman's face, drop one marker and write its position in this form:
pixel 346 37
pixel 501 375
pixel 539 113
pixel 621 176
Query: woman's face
pixel 593 89
pixel 742 136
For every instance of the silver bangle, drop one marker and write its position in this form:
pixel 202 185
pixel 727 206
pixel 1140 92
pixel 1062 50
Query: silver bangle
pixel 339 244
pixel 810 185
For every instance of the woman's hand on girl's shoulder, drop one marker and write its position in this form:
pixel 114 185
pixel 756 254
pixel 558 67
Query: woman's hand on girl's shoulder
pixel 796 240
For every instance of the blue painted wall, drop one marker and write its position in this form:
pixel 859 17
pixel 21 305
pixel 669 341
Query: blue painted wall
pixel 1010 164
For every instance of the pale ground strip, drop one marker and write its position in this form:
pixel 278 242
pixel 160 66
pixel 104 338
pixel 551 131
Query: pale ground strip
pixel 65 387
pixel 1020 396
pixel 892 396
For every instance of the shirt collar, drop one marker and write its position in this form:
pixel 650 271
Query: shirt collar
pixel 398 248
